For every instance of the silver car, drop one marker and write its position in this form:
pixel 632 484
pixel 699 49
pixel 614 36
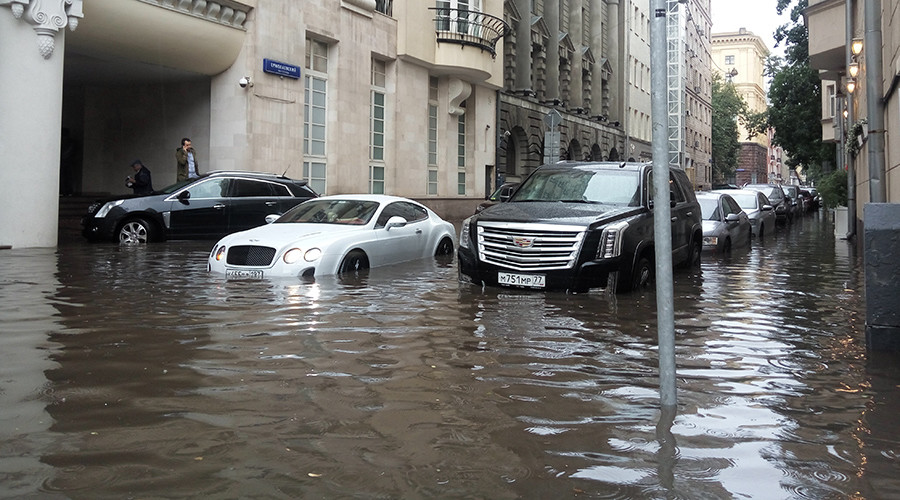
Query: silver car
pixel 758 209
pixel 725 224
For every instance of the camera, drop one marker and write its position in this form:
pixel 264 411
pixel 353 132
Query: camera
pixel 245 82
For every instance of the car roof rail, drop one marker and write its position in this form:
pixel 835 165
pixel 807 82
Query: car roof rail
pixel 245 172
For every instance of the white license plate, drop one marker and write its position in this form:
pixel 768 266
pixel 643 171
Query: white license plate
pixel 527 280
pixel 244 274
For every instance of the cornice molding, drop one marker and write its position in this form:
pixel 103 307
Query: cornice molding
pixel 225 12
pixel 47 17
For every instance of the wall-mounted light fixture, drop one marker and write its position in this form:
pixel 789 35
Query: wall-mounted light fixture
pixel 853 69
pixel 856 46
pixel 851 85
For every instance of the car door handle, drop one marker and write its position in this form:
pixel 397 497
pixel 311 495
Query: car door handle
pixel 219 206
pixel 674 219
pixel 271 203
pixel 418 231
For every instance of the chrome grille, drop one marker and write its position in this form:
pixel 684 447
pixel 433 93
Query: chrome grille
pixel 250 255
pixel 529 247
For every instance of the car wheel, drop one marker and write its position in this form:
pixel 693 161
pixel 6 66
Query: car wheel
pixel 445 247
pixel 136 232
pixel 726 249
pixel 354 262
pixel 643 274
pixel 693 261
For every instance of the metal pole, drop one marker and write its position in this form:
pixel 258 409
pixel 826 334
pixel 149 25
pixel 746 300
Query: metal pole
pixel 874 103
pixel 848 161
pixel 665 310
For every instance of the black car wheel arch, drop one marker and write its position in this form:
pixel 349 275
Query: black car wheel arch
pixel 354 262
pixel 445 247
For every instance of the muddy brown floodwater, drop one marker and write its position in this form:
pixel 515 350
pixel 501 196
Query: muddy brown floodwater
pixel 132 373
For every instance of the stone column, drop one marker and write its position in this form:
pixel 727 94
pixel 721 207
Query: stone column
pixel 31 69
pixel 576 33
pixel 599 53
pixel 551 15
pixel 523 46
pixel 617 109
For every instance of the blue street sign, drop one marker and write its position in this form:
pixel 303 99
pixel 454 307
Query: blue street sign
pixel 281 69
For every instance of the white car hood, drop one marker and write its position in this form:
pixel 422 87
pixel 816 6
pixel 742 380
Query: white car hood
pixel 281 235
pixel 710 225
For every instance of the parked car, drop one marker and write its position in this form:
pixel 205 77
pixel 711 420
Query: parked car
pixel 210 206
pixel 576 226
pixel 758 209
pixel 725 224
pixel 797 202
pixel 499 195
pixel 334 235
pixel 777 199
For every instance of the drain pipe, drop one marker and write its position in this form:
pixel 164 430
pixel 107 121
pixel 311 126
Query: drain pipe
pixel 849 162
pixel 874 101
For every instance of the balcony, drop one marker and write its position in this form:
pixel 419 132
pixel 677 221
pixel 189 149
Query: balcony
pixel 469 28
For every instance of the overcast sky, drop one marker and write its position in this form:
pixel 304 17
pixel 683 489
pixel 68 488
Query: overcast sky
pixel 758 16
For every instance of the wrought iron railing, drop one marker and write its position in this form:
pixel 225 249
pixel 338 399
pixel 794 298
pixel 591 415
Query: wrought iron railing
pixel 468 27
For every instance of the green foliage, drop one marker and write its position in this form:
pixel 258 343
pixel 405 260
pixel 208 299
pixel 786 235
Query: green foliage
pixel 727 108
pixel 795 95
pixel 833 189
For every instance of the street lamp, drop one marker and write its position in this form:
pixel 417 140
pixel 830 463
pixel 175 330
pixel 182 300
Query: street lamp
pixel 856 46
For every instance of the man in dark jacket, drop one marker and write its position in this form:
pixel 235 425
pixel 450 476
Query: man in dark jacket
pixel 188 167
pixel 141 183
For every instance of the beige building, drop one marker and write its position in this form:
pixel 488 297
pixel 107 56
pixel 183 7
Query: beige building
pixel 739 58
pixel 436 100
pixel 833 26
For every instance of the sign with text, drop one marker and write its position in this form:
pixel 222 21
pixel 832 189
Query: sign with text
pixel 281 69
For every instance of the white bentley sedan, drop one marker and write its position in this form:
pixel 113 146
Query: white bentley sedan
pixel 334 235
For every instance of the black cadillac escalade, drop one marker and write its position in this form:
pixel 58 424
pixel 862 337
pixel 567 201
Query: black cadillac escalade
pixel 576 226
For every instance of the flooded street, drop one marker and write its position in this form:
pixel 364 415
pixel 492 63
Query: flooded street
pixel 132 373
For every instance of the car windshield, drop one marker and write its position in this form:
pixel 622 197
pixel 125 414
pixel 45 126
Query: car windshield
pixel 345 212
pixel 582 185
pixel 745 200
pixel 709 208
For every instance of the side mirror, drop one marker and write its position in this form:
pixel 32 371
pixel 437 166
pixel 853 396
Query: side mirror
pixel 732 217
pixel 184 196
pixel 767 208
pixel 272 218
pixel 395 221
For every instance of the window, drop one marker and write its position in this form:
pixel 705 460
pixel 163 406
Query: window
pixel 314 173
pixel 832 104
pixel 432 183
pixel 412 213
pixel 729 60
pixel 376 179
pixel 315 94
pixel 245 188
pixel 461 154
pixel 212 188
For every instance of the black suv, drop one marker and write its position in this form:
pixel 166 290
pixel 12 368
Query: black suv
pixel 211 206
pixel 576 226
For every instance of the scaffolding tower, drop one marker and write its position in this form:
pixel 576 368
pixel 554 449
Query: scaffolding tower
pixel 675 82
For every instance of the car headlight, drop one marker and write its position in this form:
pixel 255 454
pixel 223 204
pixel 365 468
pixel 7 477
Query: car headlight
pixel 220 253
pixel 312 255
pixel 107 207
pixel 611 240
pixel 710 240
pixel 292 255
pixel 464 233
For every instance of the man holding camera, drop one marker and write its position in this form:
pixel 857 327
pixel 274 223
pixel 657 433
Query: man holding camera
pixel 141 183
pixel 187 161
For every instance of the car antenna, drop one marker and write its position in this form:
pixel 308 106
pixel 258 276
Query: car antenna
pixel 286 170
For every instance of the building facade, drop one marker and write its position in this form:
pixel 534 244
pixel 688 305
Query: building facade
pixel 739 58
pixel 438 100
pixel 869 153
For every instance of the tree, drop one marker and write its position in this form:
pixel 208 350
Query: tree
pixel 727 108
pixel 795 94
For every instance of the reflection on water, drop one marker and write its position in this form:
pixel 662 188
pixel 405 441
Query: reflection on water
pixel 131 372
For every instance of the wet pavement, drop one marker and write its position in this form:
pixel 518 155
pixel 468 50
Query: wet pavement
pixel 132 373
